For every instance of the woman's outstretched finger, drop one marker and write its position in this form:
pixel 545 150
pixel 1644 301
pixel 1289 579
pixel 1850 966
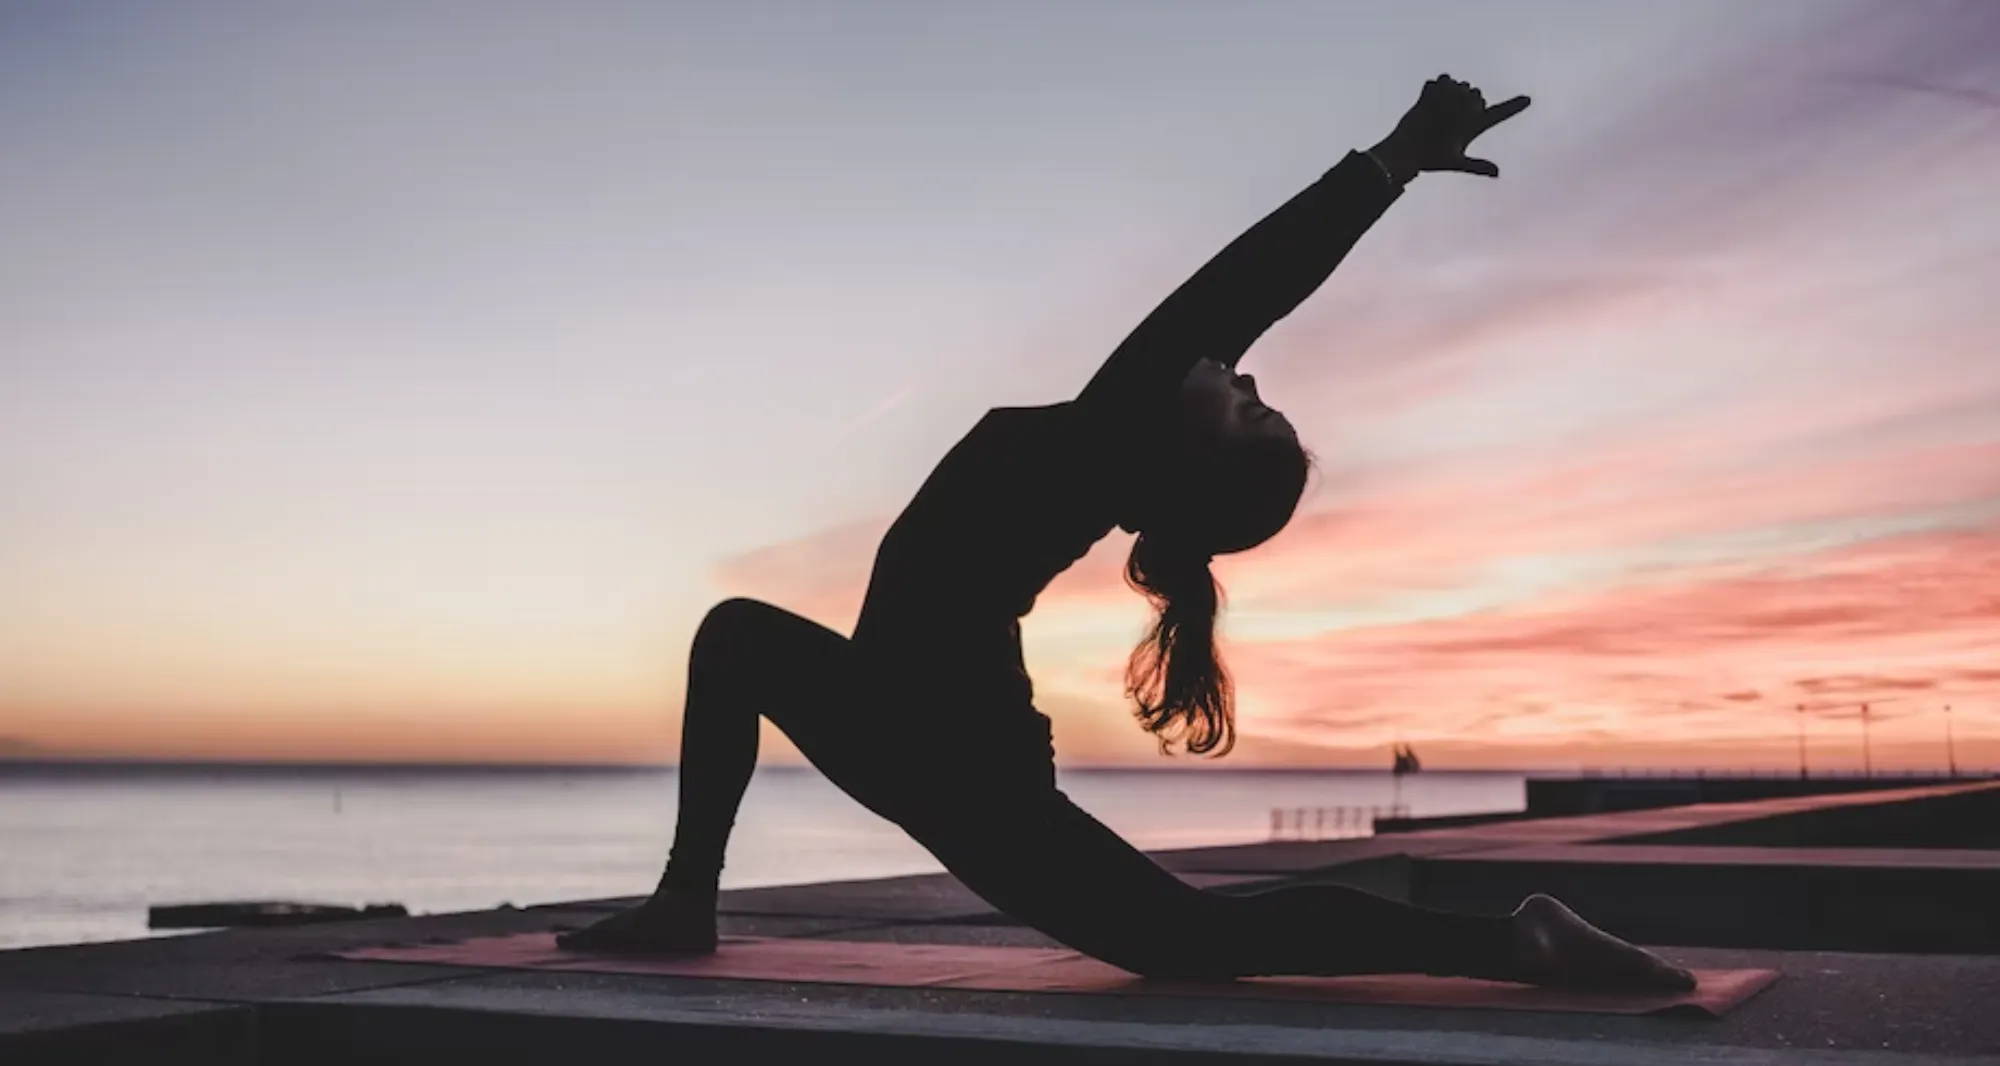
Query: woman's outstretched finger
pixel 1482 167
pixel 1501 112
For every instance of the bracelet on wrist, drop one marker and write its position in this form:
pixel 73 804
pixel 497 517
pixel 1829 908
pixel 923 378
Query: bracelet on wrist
pixel 1387 173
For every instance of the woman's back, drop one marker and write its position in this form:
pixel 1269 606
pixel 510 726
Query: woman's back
pixel 1023 495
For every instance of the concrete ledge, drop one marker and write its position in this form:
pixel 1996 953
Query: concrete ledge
pixel 529 1028
pixel 59 1028
pixel 1961 817
pixel 1734 901
pixel 1549 796
pixel 1717 855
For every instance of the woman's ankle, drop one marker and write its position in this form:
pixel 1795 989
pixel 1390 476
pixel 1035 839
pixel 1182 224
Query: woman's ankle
pixel 686 884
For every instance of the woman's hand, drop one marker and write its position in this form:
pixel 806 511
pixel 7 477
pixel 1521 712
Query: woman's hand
pixel 1434 132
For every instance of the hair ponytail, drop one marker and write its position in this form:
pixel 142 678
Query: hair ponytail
pixel 1182 689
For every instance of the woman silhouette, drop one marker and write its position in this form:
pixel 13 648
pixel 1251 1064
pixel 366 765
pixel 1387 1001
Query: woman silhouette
pixel 925 715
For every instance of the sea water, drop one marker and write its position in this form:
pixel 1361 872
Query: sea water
pixel 85 849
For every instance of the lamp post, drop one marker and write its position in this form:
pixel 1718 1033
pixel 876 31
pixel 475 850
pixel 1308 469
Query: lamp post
pixel 1950 754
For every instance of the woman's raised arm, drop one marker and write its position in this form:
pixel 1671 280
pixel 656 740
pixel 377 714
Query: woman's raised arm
pixel 1269 270
pixel 1249 285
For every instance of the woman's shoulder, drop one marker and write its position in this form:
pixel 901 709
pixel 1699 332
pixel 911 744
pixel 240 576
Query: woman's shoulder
pixel 1035 419
pixel 1069 413
pixel 1041 410
pixel 1066 420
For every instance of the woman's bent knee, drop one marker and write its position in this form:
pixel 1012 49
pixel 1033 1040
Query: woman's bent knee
pixel 741 619
pixel 738 611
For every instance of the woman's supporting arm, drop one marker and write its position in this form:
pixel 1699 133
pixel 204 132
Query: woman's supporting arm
pixel 1249 285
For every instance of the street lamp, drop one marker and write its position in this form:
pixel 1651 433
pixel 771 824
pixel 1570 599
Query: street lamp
pixel 1950 754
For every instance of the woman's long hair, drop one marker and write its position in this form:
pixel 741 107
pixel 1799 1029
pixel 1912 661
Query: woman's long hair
pixel 1174 673
pixel 1175 676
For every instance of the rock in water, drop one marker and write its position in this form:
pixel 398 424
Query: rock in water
pixel 261 912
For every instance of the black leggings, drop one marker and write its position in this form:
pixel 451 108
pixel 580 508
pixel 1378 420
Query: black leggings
pixel 999 824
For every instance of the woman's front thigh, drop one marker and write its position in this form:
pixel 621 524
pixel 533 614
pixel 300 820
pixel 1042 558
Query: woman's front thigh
pixel 816 687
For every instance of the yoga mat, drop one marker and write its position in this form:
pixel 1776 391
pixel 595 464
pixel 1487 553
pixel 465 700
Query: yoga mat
pixel 1057 970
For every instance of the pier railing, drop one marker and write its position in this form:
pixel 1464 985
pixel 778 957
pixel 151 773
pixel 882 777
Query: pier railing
pixel 1331 823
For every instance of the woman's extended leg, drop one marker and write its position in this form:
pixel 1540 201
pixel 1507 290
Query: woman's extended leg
pixel 1062 871
pixel 1065 873
pixel 750 658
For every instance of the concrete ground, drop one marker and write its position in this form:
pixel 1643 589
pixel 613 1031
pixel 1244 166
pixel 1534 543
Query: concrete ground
pixel 273 995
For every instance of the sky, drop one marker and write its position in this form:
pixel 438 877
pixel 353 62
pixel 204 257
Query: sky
pixel 404 381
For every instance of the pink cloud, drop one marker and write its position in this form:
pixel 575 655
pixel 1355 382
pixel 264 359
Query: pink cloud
pixel 1906 621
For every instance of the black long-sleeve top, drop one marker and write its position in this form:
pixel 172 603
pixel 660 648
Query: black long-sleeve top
pixel 1028 490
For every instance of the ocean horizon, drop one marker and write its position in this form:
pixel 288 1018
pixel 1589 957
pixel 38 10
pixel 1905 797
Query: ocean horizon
pixel 90 844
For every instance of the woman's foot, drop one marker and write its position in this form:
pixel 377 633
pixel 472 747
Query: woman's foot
pixel 666 924
pixel 1556 947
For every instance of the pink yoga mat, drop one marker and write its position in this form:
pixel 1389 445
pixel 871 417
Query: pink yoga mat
pixel 1053 970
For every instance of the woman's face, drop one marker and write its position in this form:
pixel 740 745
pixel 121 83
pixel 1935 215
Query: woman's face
pixel 1220 412
pixel 1222 407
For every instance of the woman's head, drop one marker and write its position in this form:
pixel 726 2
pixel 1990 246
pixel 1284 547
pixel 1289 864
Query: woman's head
pixel 1227 478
